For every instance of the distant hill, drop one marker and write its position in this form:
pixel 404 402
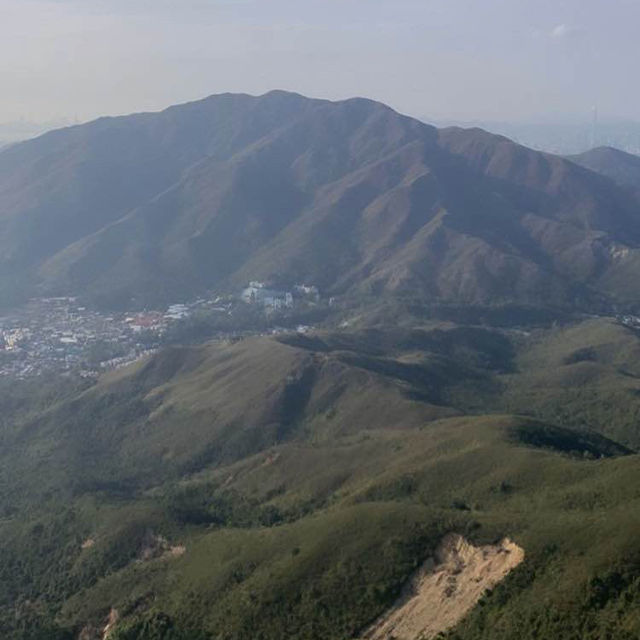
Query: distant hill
pixel 618 165
pixel 350 196
pixel 571 136
pixel 11 132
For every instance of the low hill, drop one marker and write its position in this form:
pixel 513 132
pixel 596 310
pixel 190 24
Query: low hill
pixel 350 196
pixel 230 400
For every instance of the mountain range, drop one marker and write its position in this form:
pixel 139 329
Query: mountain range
pixel 471 474
pixel 350 196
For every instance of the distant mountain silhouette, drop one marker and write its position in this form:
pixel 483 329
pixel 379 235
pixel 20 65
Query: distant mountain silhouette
pixel 348 195
pixel 618 165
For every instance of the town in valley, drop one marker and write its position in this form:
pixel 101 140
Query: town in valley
pixel 62 335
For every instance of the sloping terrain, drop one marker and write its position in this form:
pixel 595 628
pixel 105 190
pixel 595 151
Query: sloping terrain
pixel 297 486
pixel 446 588
pixel 326 569
pixel 292 486
pixel 579 375
pixel 350 196
pixel 618 165
pixel 191 407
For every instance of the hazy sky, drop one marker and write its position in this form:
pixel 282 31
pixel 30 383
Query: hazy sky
pixel 464 59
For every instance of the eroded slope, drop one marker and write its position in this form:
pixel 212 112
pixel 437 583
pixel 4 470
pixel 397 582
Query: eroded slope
pixel 446 588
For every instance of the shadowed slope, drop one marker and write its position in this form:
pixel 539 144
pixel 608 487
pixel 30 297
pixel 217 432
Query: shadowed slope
pixel 350 196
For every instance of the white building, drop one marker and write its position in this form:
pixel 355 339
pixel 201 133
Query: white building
pixel 264 297
pixel 177 312
pixel 309 291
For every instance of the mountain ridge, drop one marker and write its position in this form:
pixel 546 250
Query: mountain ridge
pixel 620 166
pixel 349 195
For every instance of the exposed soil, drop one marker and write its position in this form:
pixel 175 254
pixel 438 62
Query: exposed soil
pixel 111 624
pixel 445 589
pixel 154 547
pixel 103 631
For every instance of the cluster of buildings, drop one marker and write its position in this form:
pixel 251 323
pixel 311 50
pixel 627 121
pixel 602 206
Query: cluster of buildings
pixel 59 334
pixel 629 321
pixel 258 293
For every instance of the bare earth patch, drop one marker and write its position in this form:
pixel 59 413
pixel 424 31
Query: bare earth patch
pixel 88 543
pixel 154 547
pixel 102 632
pixel 111 624
pixel 445 589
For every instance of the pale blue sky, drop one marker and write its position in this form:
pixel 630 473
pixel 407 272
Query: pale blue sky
pixel 448 59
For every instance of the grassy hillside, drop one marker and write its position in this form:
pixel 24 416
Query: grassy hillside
pixel 582 376
pixel 380 506
pixel 289 487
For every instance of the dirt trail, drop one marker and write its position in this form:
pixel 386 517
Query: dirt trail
pixel 111 624
pixel 445 589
